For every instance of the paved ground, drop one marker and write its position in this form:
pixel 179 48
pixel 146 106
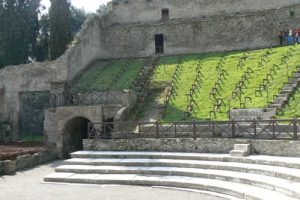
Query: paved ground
pixel 28 185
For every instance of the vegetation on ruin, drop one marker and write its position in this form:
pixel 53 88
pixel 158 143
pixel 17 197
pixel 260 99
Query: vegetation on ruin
pixel 253 94
pixel 261 74
pixel 114 75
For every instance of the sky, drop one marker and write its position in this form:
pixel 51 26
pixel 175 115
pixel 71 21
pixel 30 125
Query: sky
pixel 87 5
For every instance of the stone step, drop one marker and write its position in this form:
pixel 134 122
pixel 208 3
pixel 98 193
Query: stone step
pixel 238 190
pixel 291 85
pixel 280 101
pixel 283 95
pixel 290 162
pixel 274 171
pixel 297 75
pixel 287 90
pixel 239 153
pixel 271 183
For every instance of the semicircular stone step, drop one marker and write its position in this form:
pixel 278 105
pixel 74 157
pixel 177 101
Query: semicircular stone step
pixel 290 162
pixel 238 190
pixel 274 171
pixel 277 184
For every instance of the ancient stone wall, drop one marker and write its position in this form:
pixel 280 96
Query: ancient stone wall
pixel 33 77
pixel 216 33
pixel 203 145
pixel 139 11
pixel 85 48
pixel 26 161
pixel 56 120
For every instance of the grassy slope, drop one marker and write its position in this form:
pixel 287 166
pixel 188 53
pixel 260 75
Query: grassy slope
pixel 205 104
pixel 101 76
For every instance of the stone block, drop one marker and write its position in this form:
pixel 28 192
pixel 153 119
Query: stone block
pixel 9 166
pixel 239 153
pixel 242 147
pixel 24 161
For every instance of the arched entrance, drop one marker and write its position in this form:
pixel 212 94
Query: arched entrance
pixel 74 131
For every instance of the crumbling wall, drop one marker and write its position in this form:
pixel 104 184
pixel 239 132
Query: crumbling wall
pixel 139 11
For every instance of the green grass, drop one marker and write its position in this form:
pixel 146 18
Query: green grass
pixel 32 138
pixel 101 76
pixel 179 104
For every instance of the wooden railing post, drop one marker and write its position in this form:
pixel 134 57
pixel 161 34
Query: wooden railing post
pixel 213 129
pixel 254 127
pixel 175 127
pixel 194 130
pixel 233 128
pixel 295 129
pixel 157 129
pixel 273 129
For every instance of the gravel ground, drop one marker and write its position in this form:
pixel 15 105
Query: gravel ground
pixel 28 185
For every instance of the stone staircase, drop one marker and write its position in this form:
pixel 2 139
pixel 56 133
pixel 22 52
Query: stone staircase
pixel 283 97
pixel 142 83
pixel 252 177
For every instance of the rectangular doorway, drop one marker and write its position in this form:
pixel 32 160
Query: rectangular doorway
pixel 164 14
pixel 159 43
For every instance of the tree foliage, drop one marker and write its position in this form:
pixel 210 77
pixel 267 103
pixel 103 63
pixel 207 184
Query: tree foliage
pixel 78 17
pixel 60 28
pixel 40 51
pixel 19 28
pixel 25 32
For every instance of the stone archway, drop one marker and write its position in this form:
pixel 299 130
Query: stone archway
pixel 74 131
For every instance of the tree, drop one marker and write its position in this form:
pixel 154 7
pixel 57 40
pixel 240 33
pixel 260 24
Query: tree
pixel 78 17
pixel 18 30
pixel 40 50
pixel 60 28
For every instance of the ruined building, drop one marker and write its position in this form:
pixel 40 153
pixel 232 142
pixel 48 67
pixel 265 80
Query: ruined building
pixel 138 28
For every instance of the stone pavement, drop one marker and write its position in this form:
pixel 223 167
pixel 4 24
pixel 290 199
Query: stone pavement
pixel 28 185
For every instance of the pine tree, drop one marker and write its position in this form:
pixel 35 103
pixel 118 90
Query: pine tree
pixel 18 30
pixel 60 28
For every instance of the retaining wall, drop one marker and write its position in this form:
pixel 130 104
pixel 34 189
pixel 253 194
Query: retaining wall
pixel 26 161
pixel 201 145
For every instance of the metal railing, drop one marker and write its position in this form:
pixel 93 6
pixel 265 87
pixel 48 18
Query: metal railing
pixel 287 129
pixel 89 98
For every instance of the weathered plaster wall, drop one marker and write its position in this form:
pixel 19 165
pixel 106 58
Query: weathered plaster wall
pixel 217 33
pixel 17 79
pixel 136 11
pixel 203 145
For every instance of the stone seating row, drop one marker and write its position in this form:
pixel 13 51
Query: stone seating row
pixel 253 177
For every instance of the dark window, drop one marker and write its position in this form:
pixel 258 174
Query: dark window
pixel 159 43
pixel 164 14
